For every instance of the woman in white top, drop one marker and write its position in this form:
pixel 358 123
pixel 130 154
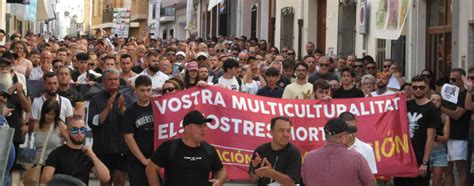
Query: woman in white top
pixel 49 117
pixel 249 85
pixel 23 65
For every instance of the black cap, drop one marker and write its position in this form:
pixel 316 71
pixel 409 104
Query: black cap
pixel 9 55
pixel 336 126
pixel 195 117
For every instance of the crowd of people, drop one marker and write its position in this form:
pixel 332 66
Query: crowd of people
pixel 46 83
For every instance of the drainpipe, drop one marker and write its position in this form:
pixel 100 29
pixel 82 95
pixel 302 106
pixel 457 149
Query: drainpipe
pixel 300 28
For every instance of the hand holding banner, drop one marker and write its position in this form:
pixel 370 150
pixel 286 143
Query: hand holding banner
pixel 242 122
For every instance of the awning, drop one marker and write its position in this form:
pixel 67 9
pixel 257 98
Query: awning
pixel 213 3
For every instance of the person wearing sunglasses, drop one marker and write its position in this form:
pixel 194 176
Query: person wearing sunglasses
pixel 371 68
pixel 323 73
pixel 423 121
pixel 359 68
pixel 172 85
pixel 459 115
pixel 179 63
pixel 73 158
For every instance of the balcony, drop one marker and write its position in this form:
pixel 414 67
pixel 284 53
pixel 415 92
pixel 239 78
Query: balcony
pixel 174 4
pixel 167 15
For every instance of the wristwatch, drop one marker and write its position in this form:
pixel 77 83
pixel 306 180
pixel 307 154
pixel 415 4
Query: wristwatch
pixel 424 163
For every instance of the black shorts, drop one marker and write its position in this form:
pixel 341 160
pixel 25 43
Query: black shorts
pixel 114 161
pixel 136 172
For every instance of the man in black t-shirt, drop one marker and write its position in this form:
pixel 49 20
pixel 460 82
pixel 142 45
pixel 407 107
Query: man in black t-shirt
pixel 187 160
pixel 69 91
pixel 138 127
pixel 272 89
pixel 423 120
pixel 73 158
pixel 277 161
pixel 348 90
pixel 459 117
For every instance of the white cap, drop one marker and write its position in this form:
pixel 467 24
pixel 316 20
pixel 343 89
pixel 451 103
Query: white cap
pixel 181 53
pixel 202 54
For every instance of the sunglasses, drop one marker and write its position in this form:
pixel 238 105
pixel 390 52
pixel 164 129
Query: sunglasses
pixel 418 87
pixel 201 58
pixel 168 90
pixel 386 66
pixel 324 65
pixel 427 75
pixel 358 66
pixel 221 50
pixel 75 130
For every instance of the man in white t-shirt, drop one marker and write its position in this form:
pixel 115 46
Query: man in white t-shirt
pixel 382 82
pixel 230 80
pixel 50 84
pixel 157 77
pixel 301 89
pixel 355 144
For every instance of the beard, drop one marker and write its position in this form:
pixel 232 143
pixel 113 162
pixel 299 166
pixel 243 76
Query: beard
pixel 77 142
pixel 52 93
pixel 154 68
pixel 419 96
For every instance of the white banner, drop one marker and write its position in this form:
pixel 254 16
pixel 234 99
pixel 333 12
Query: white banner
pixel 390 17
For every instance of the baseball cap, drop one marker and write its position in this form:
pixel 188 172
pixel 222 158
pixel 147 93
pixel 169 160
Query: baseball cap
pixel 9 55
pixel 180 53
pixel 195 117
pixel 202 54
pixel 193 65
pixel 4 90
pixel 336 126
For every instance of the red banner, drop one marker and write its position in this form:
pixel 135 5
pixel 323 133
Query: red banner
pixel 242 123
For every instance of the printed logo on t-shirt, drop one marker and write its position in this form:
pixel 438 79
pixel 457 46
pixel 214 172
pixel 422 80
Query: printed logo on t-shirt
pixel 143 120
pixel 413 122
pixel 192 158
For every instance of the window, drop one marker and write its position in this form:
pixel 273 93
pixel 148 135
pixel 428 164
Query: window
pixel 96 7
pixel 439 39
pixel 380 57
pixel 346 29
pixel 399 52
pixel 286 27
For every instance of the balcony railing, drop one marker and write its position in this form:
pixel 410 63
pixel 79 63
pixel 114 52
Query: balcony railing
pixel 167 12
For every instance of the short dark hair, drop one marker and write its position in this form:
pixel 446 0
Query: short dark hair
pixel 347 116
pixel 419 78
pixel 348 70
pixel 301 64
pixel 287 63
pixel 237 49
pixel 275 119
pixel 321 84
pixel 152 53
pixel 109 56
pixel 229 63
pixel 125 56
pixel 470 70
pixel 82 56
pixel 319 51
pixel 272 72
pixel 142 80
pixel 49 75
pixel 459 70
pixel 62 49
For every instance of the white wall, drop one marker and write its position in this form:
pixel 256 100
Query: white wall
pixel 465 15
pixel 332 25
